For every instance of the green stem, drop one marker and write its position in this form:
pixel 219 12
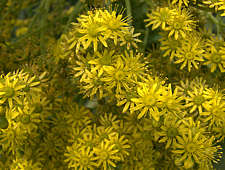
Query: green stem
pixel 146 38
pixel 44 18
pixel 215 21
pixel 128 6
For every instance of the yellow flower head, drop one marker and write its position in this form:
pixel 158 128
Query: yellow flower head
pixel 169 131
pixel 99 28
pixel 196 99
pixel 80 157
pixel 180 24
pixel 106 154
pixel 116 77
pixel 11 90
pixel 192 149
pixel 159 17
pixel 92 86
pixel 169 46
pixel 190 53
pixel 215 58
pixel 148 100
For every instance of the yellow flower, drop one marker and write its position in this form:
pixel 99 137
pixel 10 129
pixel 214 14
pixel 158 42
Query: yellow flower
pixel 12 137
pixel 11 90
pixel 98 28
pixel 193 149
pixel 170 129
pixel 171 101
pixel 159 17
pixel 130 39
pixel 169 46
pixel 106 154
pixel 121 144
pixel 91 30
pixel 215 58
pixel 28 119
pixel 116 26
pixel 81 158
pixel 93 86
pixel 148 100
pixel 215 112
pixel 196 99
pixel 39 104
pixel 78 116
pixel 180 24
pixel 190 53
pixel 116 77
pixel 88 139
pixel 133 64
pixel 106 58
pixel 109 120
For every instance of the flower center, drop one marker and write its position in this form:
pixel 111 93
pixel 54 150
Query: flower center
pixel 190 147
pixel 172 132
pixel 189 56
pixel 93 31
pixel 119 75
pixel 149 100
pixel 178 25
pixel 84 161
pixel 25 119
pixel 198 100
pixel 9 92
pixel 104 155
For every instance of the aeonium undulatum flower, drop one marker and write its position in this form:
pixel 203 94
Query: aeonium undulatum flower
pixel 215 58
pixel 196 99
pixel 106 154
pixel 14 86
pixel 196 148
pixel 176 21
pixel 170 129
pixel 190 52
pixel 11 90
pixel 159 17
pixel 148 100
pixel 80 157
pixel 116 77
pixel 99 28
pixel 180 23
pixel 169 45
